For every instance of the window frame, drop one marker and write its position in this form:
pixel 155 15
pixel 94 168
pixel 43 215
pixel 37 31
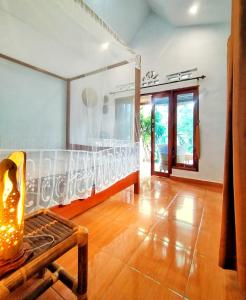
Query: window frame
pixel 195 165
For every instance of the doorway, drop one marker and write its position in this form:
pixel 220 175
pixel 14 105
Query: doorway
pixel 145 136
pixel 170 131
pixel 161 135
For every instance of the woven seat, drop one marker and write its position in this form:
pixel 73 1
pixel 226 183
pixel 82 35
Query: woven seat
pixel 49 237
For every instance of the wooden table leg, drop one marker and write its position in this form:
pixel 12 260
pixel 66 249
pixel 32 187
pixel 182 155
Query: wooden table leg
pixel 82 267
pixel 41 273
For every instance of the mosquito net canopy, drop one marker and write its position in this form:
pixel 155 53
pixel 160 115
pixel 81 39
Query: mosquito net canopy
pixel 64 37
pixel 87 87
pixel 67 95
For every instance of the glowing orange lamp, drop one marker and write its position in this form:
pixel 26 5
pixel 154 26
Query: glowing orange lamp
pixel 12 201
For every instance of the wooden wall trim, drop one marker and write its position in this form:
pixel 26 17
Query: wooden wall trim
pixel 16 61
pixel 77 207
pixel 68 115
pixel 216 185
pixel 122 63
pixel 22 63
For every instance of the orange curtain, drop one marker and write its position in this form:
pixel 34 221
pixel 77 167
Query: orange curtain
pixel 197 139
pixel 233 230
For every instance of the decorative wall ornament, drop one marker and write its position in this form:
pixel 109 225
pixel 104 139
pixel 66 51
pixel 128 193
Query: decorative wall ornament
pixel 89 97
pixel 150 78
pixel 128 87
pixel 179 76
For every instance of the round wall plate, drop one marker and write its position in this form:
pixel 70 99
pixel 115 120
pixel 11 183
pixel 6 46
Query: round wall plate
pixel 89 97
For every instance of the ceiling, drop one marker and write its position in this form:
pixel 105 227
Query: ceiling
pixel 58 36
pixel 177 11
pixel 124 16
pixel 127 16
pixel 34 32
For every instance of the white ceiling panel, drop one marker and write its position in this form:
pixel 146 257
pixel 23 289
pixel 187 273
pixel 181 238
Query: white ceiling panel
pixel 58 36
pixel 177 11
pixel 124 16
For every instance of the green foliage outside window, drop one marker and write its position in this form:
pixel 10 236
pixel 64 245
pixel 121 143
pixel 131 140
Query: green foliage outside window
pixel 184 128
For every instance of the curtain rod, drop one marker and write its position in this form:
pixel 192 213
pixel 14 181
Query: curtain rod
pixel 176 81
pixel 160 84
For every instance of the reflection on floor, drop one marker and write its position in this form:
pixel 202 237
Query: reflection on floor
pixel 161 244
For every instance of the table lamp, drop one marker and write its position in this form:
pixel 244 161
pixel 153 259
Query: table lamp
pixel 12 202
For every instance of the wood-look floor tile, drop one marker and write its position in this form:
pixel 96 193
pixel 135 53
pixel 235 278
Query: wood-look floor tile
pixel 213 202
pixel 187 190
pixel 111 209
pixel 102 271
pixel 126 243
pixel 208 244
pixel 185 214
pixel 29 287
pixel 189 202
pixel 144 246
pixel 63 291
pixel 99 225
pixel 103 268
pixel 164 262
pixel 128 198
pixel 211 222
pixel 69 259
pixel 133 285
pixel 51 294
pixel 142 220
pixel 177 233
pixel 208 281
pixel 151 206
pixel 107 234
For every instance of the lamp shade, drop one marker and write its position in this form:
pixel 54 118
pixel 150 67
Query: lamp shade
pixel 12 201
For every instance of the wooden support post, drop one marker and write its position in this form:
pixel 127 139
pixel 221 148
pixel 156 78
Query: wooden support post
pixel 137 103
pixel 137 185
pixel 137 117
pixel 82 264
pixel 68 115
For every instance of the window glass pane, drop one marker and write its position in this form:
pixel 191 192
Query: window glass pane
pixel 185 128
pixel 161 135
pixel 124 119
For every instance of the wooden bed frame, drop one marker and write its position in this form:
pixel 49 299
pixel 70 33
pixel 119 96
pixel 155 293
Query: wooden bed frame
pixel 77 207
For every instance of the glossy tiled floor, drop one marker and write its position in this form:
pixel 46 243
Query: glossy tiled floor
pixel 161 244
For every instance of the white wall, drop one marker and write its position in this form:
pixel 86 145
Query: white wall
pixel 167 50
pixel 33 108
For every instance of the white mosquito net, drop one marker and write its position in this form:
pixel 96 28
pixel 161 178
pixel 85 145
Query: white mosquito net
pixel 43 113
pixel 103 107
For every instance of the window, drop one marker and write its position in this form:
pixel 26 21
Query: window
pixel 185 122
pixel 124 118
